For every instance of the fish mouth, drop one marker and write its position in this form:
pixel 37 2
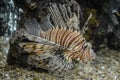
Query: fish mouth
pixel 93 55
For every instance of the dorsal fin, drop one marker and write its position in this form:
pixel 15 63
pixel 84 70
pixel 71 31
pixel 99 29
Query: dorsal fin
pixel 57 19
pixel 85 26
pixel 62 16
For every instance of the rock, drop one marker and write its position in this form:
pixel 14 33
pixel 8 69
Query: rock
pixel 114 39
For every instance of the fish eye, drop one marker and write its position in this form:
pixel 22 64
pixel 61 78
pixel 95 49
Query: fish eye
pixel 85 46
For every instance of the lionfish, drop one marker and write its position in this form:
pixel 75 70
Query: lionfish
pixel 62 35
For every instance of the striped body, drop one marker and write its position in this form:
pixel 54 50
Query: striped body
pixel 76 47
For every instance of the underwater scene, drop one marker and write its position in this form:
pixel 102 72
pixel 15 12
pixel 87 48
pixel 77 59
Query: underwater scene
pixel 60 40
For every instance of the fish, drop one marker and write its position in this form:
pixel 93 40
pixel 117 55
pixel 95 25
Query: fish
pixel 60 44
